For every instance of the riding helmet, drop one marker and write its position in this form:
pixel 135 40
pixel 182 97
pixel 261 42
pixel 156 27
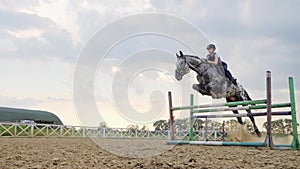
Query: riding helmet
pixel 211 46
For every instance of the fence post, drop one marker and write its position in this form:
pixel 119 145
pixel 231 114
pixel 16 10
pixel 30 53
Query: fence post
pixel 47 130
pixel 171 116
pixel 72 131
pixel 269 139
pixel 216 134
pixel 15 129
pixel 32 130
pixel 191 132
pixel 61 130
pixel 206 130
pixel 83 131
pixel 223 131
pixel 295 144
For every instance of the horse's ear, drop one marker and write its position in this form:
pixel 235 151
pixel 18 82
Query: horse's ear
pixel 181 54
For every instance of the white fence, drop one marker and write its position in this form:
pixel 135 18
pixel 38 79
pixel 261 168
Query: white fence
pixel 47 130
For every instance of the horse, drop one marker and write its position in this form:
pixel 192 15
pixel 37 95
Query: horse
pixel 212 82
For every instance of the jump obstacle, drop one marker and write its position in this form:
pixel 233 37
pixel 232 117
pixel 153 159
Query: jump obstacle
pixel 240 105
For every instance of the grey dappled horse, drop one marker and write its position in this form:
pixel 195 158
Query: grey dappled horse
pixel 212 82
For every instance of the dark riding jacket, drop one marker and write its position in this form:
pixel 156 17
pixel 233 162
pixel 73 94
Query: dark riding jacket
pixel 219 66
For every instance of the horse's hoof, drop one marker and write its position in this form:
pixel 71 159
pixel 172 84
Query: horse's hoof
pixel 258 133
pixel 196 87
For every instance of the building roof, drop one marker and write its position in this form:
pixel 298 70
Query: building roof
pixel 38 116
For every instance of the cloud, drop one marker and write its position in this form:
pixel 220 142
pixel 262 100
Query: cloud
pixel 251 36
pixel 58 99
pixel 244 19
pixel 7 101
pixel 93 15
pixel 15 5
pixel 13 20
pixel 32 37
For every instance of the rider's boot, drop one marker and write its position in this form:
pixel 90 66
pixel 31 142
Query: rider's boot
pixel 234 81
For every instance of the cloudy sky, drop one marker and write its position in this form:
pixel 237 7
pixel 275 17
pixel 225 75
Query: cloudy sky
pixel 42 40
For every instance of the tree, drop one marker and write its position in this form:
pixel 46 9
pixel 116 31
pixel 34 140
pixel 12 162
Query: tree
pixel 133 127
pixel 102 125
pixel 215 124
pixel 249 126
pixel 280 126
pixel 181 124
pixel 161 125
pixel 230 123
pixel 288 126
pixel 198 124
pixel 144 128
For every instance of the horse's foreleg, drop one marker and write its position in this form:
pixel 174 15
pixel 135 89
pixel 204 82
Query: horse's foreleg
pixel 238 118
pixel 229 99
pixel 249 113
pixel 201 89
pixel 199 79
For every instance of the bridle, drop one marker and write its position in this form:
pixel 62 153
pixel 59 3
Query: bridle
pixel 191 66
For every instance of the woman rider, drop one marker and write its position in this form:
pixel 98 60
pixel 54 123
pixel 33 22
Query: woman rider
pixel 215 59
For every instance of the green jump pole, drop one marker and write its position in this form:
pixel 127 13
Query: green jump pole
pixel 221 104
pixel 246 144
pixel 191 132
pixel 277 105
pixel 218 143
pixel 295 144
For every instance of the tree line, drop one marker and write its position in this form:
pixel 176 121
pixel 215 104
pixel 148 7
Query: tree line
pixel 278 126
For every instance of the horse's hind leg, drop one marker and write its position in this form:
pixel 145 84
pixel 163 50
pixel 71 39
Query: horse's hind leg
pixel 249 113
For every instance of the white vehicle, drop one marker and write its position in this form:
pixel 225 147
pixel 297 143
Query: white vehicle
pixel 27 121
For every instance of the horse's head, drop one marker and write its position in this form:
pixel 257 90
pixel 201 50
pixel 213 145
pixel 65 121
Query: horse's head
pixel 182 67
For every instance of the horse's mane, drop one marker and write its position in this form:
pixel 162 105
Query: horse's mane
pixel 193 56
pixel 190 66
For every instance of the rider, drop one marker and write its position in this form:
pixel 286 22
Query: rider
pixel 215 59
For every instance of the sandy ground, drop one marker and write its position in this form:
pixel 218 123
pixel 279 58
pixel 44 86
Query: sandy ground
pixel 84 153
